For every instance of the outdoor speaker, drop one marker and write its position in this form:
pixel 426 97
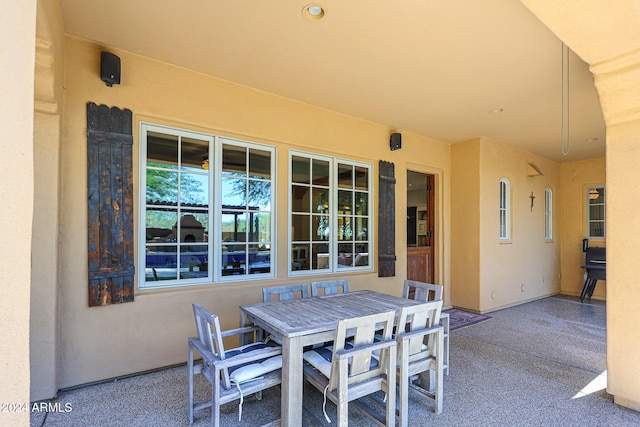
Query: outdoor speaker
pixel 396 141
pixel 109 68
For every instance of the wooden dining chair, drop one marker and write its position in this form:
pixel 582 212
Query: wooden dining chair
pixel 420 291
pixel 348 370
pixel 287 292
pixel 330 287
pixel 232 373
pixel 420 340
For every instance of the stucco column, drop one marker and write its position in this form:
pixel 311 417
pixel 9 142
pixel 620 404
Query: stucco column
pixel 607 36
pixel 17 52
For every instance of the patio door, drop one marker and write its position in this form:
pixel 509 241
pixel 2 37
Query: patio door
pixel 420 226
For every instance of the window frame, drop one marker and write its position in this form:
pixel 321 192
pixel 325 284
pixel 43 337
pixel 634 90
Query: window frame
pixel 588 206
pixel 214 211
pixel 548 214
pixel 504 211
pixel 333 241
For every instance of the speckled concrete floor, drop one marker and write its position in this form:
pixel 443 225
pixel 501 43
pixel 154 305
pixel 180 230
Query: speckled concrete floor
pixel 526 366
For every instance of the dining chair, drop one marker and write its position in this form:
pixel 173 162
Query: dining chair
pixel 348 370
pixel 424 292
pixel 420 351
pixel 287 292
pixel 232 373
pixel 330 287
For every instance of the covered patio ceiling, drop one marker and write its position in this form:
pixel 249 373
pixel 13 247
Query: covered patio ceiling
pixel 436 68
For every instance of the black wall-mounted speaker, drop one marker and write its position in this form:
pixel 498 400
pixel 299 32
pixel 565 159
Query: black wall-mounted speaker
pixel 109 68
pixel 395 142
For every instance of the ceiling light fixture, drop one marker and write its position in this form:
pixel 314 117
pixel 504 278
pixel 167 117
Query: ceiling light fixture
pixel 313 12
pixel 564 146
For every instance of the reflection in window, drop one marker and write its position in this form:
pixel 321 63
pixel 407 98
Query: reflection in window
pixel 596 212
pixel 329 214
pixel 177 173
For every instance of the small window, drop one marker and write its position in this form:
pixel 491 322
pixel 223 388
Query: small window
pixel 548 214
pixel 505 209
pixel 596 212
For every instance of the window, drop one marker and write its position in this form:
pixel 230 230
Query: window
pixel 548 214
pixel 505 209
pixel 330 218
pixel 190 237
pixel 596 212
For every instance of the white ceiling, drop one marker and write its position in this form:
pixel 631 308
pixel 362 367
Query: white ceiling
pixel 432 67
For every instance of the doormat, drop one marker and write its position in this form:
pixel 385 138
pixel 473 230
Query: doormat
pixel 460 318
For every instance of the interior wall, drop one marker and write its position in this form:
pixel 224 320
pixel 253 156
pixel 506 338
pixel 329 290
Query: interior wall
pixel 103 342
pixel 17 58
pixel 576 177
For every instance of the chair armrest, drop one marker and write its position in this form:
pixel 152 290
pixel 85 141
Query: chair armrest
pixel 378 345
pixel 239 331
pixel 420 332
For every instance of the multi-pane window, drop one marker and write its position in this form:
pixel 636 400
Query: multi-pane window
pixel 190 237
pixel 596 212
pixel 548 214
pixel 504 210
pixel 330 218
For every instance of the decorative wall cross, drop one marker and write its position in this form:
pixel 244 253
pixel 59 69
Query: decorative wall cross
pixel 532 197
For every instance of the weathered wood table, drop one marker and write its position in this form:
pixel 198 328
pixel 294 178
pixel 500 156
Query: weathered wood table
pixel 301 322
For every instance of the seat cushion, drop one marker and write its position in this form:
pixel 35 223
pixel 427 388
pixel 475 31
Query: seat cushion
pixel 254 370
pixel 321 358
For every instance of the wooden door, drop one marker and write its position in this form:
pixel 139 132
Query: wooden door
pixel 420 262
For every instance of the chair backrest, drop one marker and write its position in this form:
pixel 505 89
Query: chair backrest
pixel 415 318
pixel 330 287
pixel 210 336
pixel 421 291
pixel 282 293
pixel 363 330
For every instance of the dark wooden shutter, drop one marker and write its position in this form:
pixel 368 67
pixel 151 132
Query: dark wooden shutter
pixel 110 203
pixel 387 221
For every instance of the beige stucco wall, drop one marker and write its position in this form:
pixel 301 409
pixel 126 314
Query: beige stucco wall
pixel 576 177
pixel 17 52
pixel 608 38
pixel 489 274
pixel 465 223
pixel 104 342
pixel 49 72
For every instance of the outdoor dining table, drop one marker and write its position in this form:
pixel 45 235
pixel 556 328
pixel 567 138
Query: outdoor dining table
pixel 302 322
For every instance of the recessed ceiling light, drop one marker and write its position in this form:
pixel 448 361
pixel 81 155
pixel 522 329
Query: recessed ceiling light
pixel 592 139
pixel 496 110
pixel 313 11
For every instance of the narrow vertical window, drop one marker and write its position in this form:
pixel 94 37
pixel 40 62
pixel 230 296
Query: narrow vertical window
pixel 548 214
pixel 505 209
pixel 596 212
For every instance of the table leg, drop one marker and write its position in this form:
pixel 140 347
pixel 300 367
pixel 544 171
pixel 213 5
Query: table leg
pixel 291 399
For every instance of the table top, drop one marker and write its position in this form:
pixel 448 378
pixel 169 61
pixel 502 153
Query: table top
pixel 320 314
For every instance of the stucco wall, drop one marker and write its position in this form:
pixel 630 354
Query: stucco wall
pixel 151 332
pixel 576 177
pixel 488 274
pixel 17 52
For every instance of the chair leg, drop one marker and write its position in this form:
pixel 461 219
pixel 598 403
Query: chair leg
pixel 404 385
pixel 343 394
pixel 391 387
pixel 215 404
pixel 190 382
pixel 439 373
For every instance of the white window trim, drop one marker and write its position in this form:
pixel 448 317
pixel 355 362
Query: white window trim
pixel 548 214
pixel 333 216
pixel 215 214
pixel 506 209
pixel 588 213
